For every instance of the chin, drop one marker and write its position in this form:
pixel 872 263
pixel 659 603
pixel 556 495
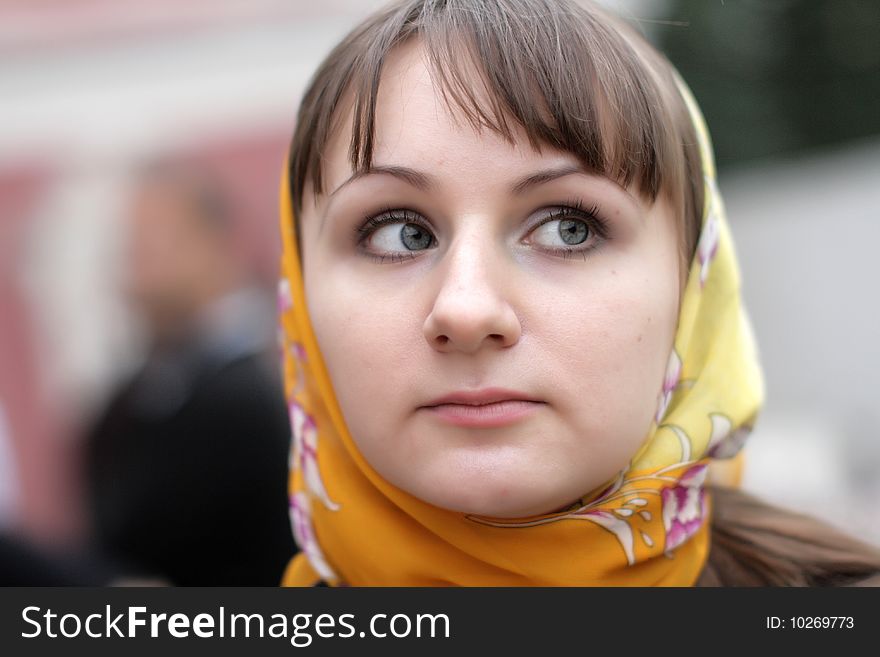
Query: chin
pixel 479 496
pixel 500 480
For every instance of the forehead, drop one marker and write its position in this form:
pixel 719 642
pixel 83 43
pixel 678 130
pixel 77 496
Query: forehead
pixel 416 126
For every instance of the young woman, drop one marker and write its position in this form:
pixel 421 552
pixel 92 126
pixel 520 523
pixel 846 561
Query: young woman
pixel 513 338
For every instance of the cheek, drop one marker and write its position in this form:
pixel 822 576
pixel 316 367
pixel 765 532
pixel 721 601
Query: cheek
pixel 371 349
pixel 611 352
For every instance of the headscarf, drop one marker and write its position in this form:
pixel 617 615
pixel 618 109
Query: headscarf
pixel 648 527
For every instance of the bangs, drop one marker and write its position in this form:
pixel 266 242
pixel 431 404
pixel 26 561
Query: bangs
pixel 570 76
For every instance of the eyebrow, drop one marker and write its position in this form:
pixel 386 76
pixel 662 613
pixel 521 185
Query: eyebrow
pixel 415 178
pixel 544 176
pixel 424 182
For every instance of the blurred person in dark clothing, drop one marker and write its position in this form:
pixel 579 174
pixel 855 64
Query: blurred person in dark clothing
pixel 187 467
pixel 24 562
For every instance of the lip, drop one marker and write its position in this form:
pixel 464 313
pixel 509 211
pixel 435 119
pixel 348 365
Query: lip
pixel 490 407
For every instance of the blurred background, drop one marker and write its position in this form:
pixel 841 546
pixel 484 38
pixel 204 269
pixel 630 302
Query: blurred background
pixel 93 90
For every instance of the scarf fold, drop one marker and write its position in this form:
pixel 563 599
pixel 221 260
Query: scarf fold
pixel 647 527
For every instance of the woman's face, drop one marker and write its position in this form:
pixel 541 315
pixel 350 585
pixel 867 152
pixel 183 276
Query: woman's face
pixel 496 322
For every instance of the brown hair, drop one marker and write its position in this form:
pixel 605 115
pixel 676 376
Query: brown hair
pixel 570 75
pixel 756 544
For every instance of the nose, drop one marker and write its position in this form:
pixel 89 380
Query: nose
pixel 471 310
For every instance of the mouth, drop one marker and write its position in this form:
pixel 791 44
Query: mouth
pixel 487 408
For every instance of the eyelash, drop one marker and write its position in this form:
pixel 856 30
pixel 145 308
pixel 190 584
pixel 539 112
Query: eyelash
pixel 573 209
pixel 389 216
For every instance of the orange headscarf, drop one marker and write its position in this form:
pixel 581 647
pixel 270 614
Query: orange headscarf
pixel 649 526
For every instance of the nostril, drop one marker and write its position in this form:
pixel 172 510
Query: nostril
pixel 442 339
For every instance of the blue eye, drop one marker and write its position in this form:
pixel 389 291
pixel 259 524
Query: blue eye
pixel 567 230
pixel 391 237
pixel 396 234
pixel 399 234
pixel 562 232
